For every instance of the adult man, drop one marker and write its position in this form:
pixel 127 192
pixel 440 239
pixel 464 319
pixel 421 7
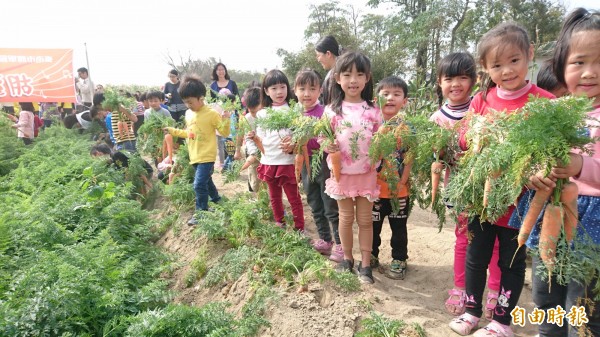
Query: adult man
pixel 85 88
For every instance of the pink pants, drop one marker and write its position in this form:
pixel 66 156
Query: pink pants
pixel 293 196
pixel 460 256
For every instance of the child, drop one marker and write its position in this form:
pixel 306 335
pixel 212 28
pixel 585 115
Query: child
pixel 154 99
pixel 576 67
pixel 277 161
pixel 25 123
pixel 504 52
pixel 245 146
pixel 395 92
pixel 121 161
pixel 456 78
pixel 547 80
pixel 307 88
pixel 201 123
pixel 353 116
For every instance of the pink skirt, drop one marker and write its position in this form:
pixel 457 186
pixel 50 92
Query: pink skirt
pixel 280 174
pixel 353 185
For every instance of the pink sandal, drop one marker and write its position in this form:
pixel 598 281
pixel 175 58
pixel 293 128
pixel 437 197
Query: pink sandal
pixel 455 304
pixel 490 306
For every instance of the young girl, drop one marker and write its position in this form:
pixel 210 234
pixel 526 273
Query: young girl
pixel 576 64
pixel 456 75
pixel 25 124
pixel 504 52
pixel 307 88
pixel 354 120
pixel 277 161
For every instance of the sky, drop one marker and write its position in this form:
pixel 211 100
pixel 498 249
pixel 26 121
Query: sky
pixel 128 41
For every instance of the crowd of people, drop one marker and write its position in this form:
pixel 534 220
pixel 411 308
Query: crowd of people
pixel 358 192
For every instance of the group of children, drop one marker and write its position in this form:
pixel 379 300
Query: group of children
pixel 360 194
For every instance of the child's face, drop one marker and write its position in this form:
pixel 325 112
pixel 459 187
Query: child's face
pixel 352 82
pixel 456 89
pixel 194 103
pixel 582 69
pixel 394 101
pixel 146 104
pixel 307 94
pixel 508 66
pixel 154 103
pixel 277 92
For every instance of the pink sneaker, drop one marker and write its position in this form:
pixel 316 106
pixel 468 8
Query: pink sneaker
pixel 494 329
pixel 337 254
pixel 322 246
pixel 464 324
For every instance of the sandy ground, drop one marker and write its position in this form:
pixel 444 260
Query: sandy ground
pixel 322 311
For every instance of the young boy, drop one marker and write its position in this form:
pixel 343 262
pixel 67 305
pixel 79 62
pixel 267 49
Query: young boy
pixel 394 90
pixel 201 123
pixel 154 99
pixel 249 149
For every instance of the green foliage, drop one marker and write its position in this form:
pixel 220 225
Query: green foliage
pixel 113 101
pixel 378 325
pixel 74 249
pixel 10 146
pixel 279 119
pixel 198 267
pixel 513 148
pixel 150 135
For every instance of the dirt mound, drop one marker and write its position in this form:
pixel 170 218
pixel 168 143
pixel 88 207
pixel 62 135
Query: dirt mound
pixel 324 311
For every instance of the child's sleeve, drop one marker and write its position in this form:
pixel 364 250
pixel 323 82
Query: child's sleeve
pixel 177 132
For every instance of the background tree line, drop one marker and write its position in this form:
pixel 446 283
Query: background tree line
pixel 407 42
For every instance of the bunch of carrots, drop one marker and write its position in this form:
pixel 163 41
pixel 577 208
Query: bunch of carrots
pixel 560 216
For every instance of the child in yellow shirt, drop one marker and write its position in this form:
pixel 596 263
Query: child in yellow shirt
pixel 201 123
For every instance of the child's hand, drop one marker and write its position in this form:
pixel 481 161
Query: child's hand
pixel 286 144
pixel 191 135
pixel 251 135
pixel 166 131
pixel 334 147
pixel 540 182
pixel 573 169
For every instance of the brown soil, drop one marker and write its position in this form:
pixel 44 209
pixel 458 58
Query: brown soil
pixel 323 311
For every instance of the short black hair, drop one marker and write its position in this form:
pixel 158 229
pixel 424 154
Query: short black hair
pixel 307 77
pixel 100 148
pixel 98 98
pixel 174 72
pixel 392 82
pixel 82 70
pixel 214 72
pixel 328 43
pixel 192 86
pixel 144 96
pixel 70 121
pixel 155 94
pixel 274 77
pixel 27 106
pixel 546 78
pixel 95 110
pixel 457 64
pixel 252 97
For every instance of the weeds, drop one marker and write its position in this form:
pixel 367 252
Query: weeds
pixel 198 267
pixel 378 325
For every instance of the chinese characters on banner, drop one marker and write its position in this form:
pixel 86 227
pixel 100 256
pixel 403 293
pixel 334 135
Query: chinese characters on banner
pixel 36 75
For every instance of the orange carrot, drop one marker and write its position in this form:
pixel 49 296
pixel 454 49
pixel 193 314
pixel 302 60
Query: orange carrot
pixel 298 163
pixel 568 197
pixel 535 208
pixel 336 164
pixel 249 161
pixel 487 189
pixel 551 226
pixel 436 173
pixel 306 159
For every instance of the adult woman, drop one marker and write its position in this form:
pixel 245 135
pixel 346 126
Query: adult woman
pixel 176 106
pixel 221 80
pixel 327 50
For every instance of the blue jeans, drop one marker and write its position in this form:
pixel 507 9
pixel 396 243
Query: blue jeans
pixel 204 186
